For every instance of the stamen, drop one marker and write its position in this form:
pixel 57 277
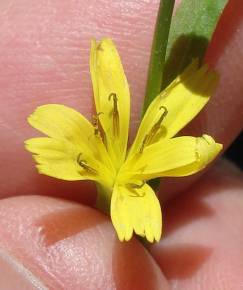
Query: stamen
pixel 96 124
pixel 137 194
pixel 144 143
pixel 115 113
pixel 134 185
pixel 157 125
pixel 153 131
pixel 84 165
pixel 164 113
pixel 99 47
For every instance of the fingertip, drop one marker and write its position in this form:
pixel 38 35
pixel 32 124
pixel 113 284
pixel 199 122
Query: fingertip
pixel 203 233
pixel 69 246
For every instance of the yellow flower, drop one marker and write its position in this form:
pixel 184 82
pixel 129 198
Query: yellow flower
pixel 75 149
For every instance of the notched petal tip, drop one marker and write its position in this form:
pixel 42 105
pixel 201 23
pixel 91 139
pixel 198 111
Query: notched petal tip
pixel 121 236
pixel 136 213
pixel 129 234
pixel 105 43
pixel 27 144
pixel 207 149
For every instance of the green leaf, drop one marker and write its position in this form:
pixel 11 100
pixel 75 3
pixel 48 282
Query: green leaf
pixel 191 30
pixel 158 52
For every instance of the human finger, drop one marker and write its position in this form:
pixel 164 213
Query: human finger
pixel 49 243
pixel 202 243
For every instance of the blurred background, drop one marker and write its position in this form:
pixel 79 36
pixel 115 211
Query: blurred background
pixel 235 152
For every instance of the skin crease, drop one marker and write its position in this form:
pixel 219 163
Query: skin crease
pixel 44 58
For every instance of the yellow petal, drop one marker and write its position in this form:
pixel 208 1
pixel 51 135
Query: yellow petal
pixel 183 99
pixel 60 159
pixel 64 123
pixel 111 91
pixel 207 150
pixel 179 156
pixel 138 210
pixel 57 158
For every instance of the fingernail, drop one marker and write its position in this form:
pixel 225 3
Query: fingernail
pixel 13 275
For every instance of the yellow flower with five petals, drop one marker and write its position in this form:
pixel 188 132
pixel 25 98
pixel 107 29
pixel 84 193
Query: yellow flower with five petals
pixel 76 149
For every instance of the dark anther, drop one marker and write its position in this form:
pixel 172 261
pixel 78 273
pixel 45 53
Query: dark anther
pixel 96 123
pixel 157 125
pixel 145 141
pixel 115 113
pixel 84 165
pixel 164 113
pixel 115 100
pixel 113 96
pixel 137 194
pixel 149 137
pixel 134 185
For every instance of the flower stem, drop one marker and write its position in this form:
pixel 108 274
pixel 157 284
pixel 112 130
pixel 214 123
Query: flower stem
pixel 158 52
pixel 103 198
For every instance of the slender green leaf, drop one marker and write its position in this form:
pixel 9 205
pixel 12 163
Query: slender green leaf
pixel 158 52
pixel 191 30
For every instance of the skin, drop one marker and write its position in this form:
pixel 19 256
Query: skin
pixel 61 243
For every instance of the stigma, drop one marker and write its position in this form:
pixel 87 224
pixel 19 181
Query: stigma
pixel 115 114
pixel 84 165
pixel 148 139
